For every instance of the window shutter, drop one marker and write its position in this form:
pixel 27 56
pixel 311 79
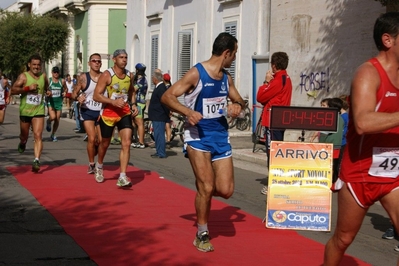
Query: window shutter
pixel 231 27
pixel 185 47
pixel 154 52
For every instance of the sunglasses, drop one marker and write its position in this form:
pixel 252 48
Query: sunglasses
pixel 95 61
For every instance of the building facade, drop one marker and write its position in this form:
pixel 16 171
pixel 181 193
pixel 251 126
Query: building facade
pixel 97 26
pixel 325 42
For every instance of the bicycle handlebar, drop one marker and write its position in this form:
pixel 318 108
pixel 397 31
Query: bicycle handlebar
pixel 178 116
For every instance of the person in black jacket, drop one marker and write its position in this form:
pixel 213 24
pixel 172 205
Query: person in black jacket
pixel 158 113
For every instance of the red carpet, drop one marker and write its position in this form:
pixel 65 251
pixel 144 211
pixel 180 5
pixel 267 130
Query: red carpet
pixel 152 223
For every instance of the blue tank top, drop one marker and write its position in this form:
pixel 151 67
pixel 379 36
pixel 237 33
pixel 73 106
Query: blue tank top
pixel 208 97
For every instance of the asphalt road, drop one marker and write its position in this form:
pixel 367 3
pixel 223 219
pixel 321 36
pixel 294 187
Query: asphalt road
pixel 31 236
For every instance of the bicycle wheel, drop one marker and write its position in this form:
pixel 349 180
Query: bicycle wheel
pixel 181 131
pixel 148 129
pixel 257 135
pixel 173 134
pixel 243 123
pixel 231 121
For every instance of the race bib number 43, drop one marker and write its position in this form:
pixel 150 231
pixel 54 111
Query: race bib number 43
pixel 385 162
pixel 211 106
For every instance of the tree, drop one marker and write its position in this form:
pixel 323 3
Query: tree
pixel 392 5
pixel 25 35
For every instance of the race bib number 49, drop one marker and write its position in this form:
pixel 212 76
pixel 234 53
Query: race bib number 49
pixel 211 106
pixel 385 162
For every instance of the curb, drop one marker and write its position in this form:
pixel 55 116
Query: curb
pixel 249 156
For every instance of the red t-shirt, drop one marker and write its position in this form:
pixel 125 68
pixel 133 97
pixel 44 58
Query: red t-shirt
pixel 276 93
pixel 358 154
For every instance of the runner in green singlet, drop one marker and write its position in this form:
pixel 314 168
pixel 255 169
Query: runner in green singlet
pixel 32 87
pixel 58 89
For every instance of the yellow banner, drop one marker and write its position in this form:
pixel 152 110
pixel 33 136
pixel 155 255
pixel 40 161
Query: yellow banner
pixel 299 182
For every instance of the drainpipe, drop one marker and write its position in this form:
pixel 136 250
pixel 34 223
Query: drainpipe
pixel 263 48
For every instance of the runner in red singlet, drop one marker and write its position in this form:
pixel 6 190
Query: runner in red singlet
pixel 370 164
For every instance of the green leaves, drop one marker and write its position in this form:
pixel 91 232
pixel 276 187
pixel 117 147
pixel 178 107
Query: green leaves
pixel 23 35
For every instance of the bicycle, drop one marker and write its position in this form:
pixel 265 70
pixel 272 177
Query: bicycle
pixel 241 123
pixel 258 135
pixel 148 130
pixel 71 112
pixel 177 128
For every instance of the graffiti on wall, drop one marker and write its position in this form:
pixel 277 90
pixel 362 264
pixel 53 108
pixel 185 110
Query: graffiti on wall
pixel 315 81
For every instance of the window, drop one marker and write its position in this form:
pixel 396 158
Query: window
pixel 231 27
pixel 154 52
pixel 184 56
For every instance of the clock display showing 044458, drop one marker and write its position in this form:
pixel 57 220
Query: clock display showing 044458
pixel 304 118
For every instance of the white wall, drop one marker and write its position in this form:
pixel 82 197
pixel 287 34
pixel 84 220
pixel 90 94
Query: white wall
pixel 332 37
pixel 325 41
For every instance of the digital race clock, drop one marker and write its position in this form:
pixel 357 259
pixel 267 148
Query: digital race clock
pixel 304 118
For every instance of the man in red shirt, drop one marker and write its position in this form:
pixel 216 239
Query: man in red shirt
pixel 275 91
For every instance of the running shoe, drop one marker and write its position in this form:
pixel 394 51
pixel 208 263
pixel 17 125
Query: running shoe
pixel 91 169
pixel 21 147
pixel 99 175
pixel 389 233
pixel 201 242
pixel 264 190
pixel 396 248
pixel 124 181
pixel 85 137
pixel 36 166
pixel 53 138
pixel 134 144
pixel 140 145
pixel 48 125
pixel 113 141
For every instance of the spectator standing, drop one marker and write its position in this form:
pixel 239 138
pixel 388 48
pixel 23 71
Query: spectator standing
pixel 168 130
pixel 4 97
pixel 334 137
pixel 140 86
pixel 275 91
pixel 372 141
pixel 206 87
pixel 158 113
pixel 316 135
pixel 32 86
pixel 69 86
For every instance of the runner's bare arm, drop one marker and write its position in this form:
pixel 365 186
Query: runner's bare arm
pixel 103 81
pixel 18 86
pixel 132 97
pixel 80 85
pixel 185 84
pixel 64 86
pixel 363 101
pixel 236 99
pixel 46 85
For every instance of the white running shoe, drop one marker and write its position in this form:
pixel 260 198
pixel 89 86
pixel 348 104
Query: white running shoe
pixel 124 181
pixel 99 175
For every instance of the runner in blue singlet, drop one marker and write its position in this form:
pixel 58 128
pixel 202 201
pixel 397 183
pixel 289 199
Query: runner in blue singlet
pixel 206 88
